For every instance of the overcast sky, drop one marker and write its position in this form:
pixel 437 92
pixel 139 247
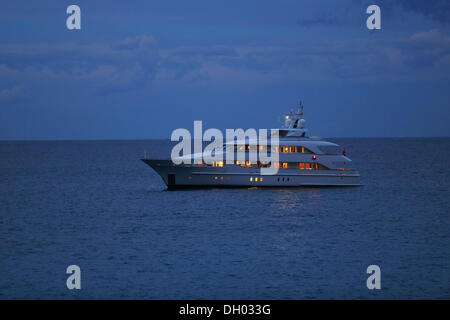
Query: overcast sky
pixel 140 69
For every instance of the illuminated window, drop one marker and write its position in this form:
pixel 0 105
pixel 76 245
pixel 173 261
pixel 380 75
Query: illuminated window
pixel 217 164
pixel 260 179
pixel 285 165
pixel 248 163
pixel 275 148
pixel 277 165
pixel 215 178
pixel 292 149
pixel 256 179
pixel 308 166
pixel 303 149
pixel 286 149
pixel 240 163
pixel 316 166
pixel 301 165
pixel 251 178
pixel 221 178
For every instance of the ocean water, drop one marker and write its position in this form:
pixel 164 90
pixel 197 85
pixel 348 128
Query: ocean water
pixel 94 204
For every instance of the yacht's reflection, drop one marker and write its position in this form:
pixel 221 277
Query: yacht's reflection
pixel 296 199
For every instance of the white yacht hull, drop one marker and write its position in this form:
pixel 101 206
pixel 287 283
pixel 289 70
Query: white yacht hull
pixel 186 176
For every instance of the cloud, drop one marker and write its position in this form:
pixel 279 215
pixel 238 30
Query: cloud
pixel 431 38
pixel 138 62
pixel 11 94
pixel 318 60
pixel 122 65
pixel 438 10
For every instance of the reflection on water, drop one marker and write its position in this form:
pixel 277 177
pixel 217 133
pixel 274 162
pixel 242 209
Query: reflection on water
pixel 295 200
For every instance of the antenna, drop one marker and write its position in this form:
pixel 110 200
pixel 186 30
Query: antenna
pixel 300 107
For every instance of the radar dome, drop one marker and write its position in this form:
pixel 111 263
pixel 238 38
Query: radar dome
pixel 302 123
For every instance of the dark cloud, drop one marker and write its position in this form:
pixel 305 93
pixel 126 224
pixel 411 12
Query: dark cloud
pixel 308 22
pixel 137 62
pixel 121 65
pixel 438 10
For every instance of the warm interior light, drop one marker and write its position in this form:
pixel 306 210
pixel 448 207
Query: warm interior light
pixel 251 178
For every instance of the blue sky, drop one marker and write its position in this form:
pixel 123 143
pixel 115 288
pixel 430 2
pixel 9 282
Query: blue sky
pixel 140 69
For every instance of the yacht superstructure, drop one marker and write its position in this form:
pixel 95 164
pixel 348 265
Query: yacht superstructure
pixel 302 161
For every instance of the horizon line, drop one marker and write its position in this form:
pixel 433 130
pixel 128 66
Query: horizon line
pixel 144 139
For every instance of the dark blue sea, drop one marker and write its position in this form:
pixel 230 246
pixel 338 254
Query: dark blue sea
pixel 96 205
